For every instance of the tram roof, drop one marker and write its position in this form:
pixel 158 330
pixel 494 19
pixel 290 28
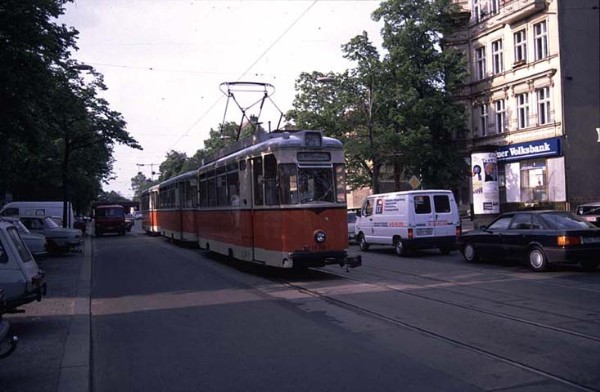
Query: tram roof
pixel 275 139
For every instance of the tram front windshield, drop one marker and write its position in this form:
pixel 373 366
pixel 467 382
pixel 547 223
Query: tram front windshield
pixel 301 185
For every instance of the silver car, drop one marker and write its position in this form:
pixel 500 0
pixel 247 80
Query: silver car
pixel 36 243
pixel 59 239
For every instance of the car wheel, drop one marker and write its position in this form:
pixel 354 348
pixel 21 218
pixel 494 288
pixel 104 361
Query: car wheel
pixel 589 266
pixel 399 248
pixel 470 254
pixel 537 259
pixel 364 246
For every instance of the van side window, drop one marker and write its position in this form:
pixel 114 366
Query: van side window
pixel 441 203
pixel 422 205
pixel 368 208
pixel 10 212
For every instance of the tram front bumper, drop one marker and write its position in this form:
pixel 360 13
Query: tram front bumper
pixel 321 259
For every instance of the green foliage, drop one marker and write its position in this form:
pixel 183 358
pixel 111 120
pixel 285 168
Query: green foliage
pixel 395 113
pixel 58 134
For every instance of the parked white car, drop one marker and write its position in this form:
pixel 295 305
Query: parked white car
pixel 20 277
pixel 59 239
pixel 35 242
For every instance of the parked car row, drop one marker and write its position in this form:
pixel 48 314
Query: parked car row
pixel 430 219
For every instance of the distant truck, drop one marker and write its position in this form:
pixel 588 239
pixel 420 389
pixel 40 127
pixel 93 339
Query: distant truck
pixel 53 209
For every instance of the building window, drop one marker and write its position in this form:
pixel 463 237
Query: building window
pixel 497 58
pixel 533 181
pixel 494 6
pixel 543 105
pixel 520 47
pixel 483 119
pixel 478 9
pixel 500 110
pixel 480 57
pixel 540 37
pixel 522 111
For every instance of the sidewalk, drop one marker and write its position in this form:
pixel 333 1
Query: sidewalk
pixel 75 369
pixel 54 334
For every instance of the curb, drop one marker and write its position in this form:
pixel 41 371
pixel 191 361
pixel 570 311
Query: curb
pixel 75 367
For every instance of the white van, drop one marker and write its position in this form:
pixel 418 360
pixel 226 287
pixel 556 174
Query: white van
pixel 53 209
pixel 409 220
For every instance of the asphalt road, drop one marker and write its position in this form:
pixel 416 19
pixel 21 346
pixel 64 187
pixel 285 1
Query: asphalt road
pixel 170 318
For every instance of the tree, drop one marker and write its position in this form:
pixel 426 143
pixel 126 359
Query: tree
pixel 172 165
pixel 423 78
pixel 58 133
pixel 394 112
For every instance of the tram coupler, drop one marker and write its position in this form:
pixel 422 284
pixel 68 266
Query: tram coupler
pixel 351 262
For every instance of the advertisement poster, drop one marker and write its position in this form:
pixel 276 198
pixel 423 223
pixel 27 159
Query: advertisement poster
pixel 484 181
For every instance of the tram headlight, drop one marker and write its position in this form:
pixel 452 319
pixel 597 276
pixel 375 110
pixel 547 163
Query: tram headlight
pixel 320 236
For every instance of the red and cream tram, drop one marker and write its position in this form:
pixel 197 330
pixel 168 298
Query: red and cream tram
pixel 149 209
pixel 277 199
pixel 177 202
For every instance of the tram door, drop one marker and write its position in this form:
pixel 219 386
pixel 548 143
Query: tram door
pixel 180 204
pixel 257 192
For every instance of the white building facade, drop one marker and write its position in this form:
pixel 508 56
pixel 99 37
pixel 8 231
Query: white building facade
pixel 533 96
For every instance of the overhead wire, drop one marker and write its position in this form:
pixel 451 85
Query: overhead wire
pixel 263 54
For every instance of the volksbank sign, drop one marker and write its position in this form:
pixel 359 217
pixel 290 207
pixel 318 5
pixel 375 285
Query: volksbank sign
pixel 529 150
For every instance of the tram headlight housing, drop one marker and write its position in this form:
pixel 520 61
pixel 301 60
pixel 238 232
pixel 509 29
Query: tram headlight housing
pixel 320 236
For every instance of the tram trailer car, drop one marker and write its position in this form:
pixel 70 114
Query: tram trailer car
pixel 277 199
pixel 149 209
pixel 177 203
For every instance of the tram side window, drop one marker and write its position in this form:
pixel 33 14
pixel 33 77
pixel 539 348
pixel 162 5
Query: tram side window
pixel 270 179
pixel 288 183
pixel 212 190
pixel 222 190
pixel 340 182
pixel 203 190
pixel 233 185
pixel 258 181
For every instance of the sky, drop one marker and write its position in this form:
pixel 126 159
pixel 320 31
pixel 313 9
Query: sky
pixel 164 61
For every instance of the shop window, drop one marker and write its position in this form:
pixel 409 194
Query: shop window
pixel 534 187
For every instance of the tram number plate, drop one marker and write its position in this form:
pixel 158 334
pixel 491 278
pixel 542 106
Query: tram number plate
pixel 424 231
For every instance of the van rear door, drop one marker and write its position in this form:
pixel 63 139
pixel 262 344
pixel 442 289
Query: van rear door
pixel 445 215
pixel 424 216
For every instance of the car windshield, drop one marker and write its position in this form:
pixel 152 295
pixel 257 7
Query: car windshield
pixel 21 227
pixel 49 223
pixel 109 212
pixel 565 220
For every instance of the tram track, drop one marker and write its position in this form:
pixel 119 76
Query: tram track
pixel 437 336
pixel 471 308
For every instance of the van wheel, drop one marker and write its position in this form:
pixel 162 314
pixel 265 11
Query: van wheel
pixel 362 243
pixel 400 248
pixel 537 259
pixel 470 254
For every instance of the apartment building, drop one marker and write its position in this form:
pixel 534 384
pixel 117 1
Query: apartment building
pixel 533 95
